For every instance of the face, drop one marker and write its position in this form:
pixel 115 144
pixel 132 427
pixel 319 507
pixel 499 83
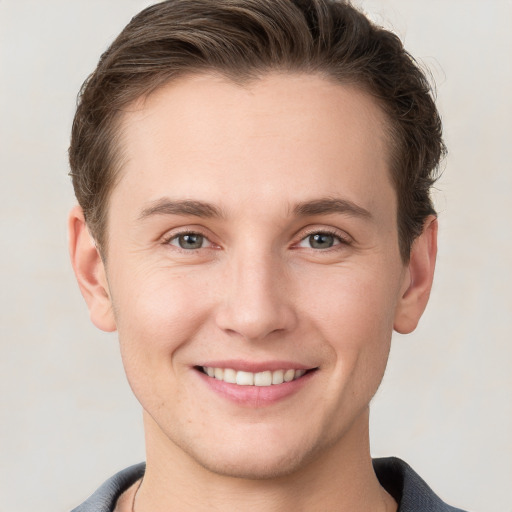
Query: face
pixel 253 267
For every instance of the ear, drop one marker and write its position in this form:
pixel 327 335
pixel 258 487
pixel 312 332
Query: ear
pixel 90 271
pixel 418 278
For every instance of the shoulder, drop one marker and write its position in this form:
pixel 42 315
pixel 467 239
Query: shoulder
pixel 408 488
pixel 105 498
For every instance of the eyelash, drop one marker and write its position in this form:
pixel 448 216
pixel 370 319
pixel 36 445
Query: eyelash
pixel 341 240
pixel 174 236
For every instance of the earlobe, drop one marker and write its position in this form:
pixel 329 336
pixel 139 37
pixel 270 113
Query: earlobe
pixel 90 271
pixel 418 279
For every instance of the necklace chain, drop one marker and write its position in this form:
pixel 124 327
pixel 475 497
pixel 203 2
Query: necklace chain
pixel 140 483
pixel 135 495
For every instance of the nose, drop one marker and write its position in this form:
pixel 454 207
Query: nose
pixel 256 300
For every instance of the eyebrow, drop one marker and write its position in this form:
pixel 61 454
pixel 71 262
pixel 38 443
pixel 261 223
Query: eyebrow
pixel 166 206
pixel 323 206
pixel 328 205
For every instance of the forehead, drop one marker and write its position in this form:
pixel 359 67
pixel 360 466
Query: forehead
pixel 282 134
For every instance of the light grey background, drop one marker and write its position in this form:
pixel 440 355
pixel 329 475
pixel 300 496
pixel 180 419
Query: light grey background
pixel 68 420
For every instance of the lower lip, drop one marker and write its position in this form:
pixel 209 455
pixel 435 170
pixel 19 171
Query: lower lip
pixel 255 396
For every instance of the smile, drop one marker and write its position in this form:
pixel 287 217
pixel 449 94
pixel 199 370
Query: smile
pixel 242 378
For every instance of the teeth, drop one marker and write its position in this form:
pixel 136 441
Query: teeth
pixel 263 379
pixel 266 378
pixel 229 376
pixel 289 375
pixel 278 377
pixel 244 378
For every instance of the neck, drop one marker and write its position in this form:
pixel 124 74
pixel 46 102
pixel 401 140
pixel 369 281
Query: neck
pixel 340 479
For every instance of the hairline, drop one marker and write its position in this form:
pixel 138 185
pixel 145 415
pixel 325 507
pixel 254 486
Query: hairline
pixel 391 141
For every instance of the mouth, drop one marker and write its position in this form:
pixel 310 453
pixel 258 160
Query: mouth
pixel 263 378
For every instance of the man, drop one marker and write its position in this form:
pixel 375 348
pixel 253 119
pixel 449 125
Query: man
pixel 253 179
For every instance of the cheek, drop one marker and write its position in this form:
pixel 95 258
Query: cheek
pixel 159 302
pixel 354 305
pixel 354 313
pixel 157 312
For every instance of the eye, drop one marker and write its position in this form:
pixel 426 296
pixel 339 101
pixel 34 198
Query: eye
pixel 321 240
pixel 189 241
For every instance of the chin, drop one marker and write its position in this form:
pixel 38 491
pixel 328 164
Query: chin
pixel 245 466
pixel 258 458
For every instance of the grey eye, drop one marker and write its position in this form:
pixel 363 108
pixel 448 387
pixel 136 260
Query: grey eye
pixel 189 241
pixel 321 240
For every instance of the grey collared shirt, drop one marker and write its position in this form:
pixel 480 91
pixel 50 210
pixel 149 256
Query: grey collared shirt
pixel 410 492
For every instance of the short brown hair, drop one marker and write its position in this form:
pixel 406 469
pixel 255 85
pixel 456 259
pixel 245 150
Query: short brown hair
pixel 243 39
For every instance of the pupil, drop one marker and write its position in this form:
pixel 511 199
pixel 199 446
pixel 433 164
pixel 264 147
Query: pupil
pixel 321 241
pixel 191 241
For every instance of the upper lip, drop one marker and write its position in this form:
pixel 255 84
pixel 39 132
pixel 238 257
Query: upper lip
pixel 256 366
